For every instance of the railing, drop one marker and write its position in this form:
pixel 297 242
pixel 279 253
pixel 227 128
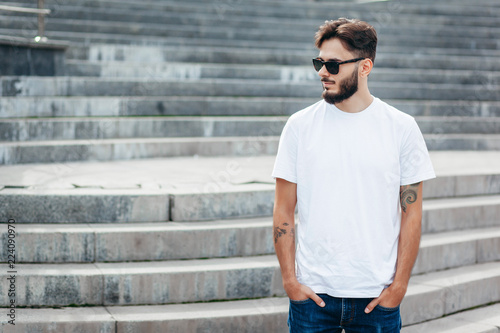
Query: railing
pixel 41 17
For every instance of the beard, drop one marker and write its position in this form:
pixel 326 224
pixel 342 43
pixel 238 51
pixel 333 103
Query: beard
pixel 347 88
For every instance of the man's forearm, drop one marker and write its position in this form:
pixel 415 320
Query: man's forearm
pixel 410 233
pixel 409 243
pixel 284 244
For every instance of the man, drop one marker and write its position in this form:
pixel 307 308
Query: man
pixel 354 166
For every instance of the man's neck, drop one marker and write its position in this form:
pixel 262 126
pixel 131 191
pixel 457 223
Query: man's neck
pixel 357 102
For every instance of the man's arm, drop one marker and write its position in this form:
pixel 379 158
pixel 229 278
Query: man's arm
pixel 284 241
pixel 408 246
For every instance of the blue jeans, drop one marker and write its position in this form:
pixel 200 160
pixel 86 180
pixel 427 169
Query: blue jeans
pixel 342 314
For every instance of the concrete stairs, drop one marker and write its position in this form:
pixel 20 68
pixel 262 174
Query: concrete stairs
pixel 195 269
pixel 234 58
pixel 140 181
pixel 481 320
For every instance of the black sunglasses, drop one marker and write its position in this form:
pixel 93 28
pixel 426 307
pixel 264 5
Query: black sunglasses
pixel 331 66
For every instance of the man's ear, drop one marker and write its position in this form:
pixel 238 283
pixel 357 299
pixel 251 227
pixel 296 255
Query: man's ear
pixel 365 67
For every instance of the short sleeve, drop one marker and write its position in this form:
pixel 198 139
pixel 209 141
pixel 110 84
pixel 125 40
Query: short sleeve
pixel 285 165
pixel 415 162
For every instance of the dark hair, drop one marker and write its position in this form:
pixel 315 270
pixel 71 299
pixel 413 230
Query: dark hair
pixel 357 36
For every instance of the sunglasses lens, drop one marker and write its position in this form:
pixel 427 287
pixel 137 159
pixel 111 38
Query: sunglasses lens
pixel 317 65
pixel 332 67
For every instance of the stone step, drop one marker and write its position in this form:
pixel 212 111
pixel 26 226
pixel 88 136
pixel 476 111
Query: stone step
pixel 289 9
pixel 90 86
pixel 221 30
pixel 78 243
pixel 40 129
pixel 432 295
pixel 462 213
pixel 285 9
pixel 239 55
pixel 424 46
pixel 481 320
pixel 193 71
pixel 204 188
pixel 279 9
pixel 429 296
pixel 58 206
pixel 407 42
pixel 62 151
pixel 462 141
pixel 238 9
pixel 153 282
pixel 61 106
pixel 150 127
pixel 436 125
pixel 457 248
pixel 492 3
pixel 70 11
pixel 470 26
pixel 246 316
pixel 260 315
pixel 86 205
pixel 87 243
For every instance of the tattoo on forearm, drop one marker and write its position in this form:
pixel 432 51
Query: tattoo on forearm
pixel 408 195
pixel 278 232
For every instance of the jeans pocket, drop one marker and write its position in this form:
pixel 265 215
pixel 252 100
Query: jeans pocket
pixel 383 308
pixel 304 301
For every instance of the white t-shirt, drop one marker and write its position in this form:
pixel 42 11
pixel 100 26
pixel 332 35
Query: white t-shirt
pixel 348 168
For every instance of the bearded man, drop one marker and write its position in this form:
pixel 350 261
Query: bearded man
pixel 354 167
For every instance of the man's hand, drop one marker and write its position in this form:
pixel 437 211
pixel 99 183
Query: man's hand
pixel 390 297
pixel 299 292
